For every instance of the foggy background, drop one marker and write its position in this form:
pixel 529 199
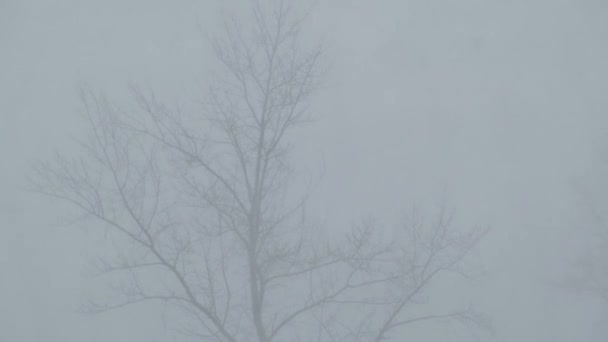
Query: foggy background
pixel 497 104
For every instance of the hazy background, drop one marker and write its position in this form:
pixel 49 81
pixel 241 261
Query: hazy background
pixel 498 104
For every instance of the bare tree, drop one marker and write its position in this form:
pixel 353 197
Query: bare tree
pixel 202 207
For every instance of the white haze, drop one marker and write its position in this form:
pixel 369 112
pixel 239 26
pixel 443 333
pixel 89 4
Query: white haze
pixel 497 105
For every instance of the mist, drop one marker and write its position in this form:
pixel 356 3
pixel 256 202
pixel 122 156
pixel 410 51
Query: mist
pixel 496 108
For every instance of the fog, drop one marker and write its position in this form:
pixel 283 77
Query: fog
pixel 497 107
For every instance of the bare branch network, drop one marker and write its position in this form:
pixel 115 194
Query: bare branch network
pixel 208 226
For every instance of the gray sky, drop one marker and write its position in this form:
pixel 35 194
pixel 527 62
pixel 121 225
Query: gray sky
pixel 499 104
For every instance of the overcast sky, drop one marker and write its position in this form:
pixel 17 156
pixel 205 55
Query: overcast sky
pixel 498 105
